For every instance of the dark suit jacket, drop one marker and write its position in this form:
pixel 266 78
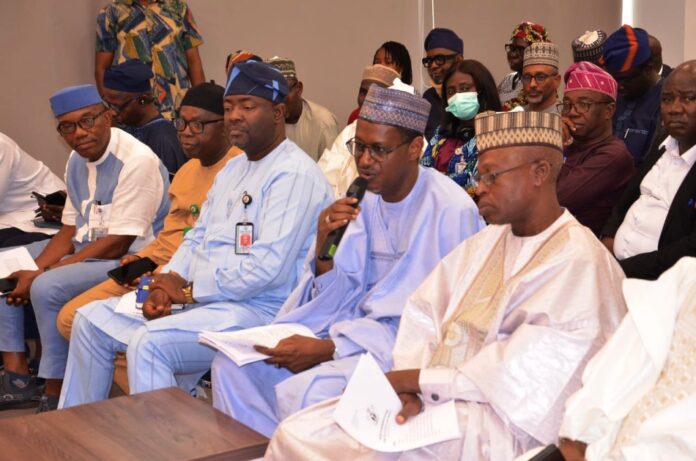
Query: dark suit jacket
pixel 678 236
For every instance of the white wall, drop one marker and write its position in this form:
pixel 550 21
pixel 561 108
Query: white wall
pixel 665 20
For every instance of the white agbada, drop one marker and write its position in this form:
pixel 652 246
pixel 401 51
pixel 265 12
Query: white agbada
pixel 556 298
pixel 338 163
pixel 638 400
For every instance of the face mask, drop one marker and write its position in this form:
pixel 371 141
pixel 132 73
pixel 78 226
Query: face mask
pixel 464 106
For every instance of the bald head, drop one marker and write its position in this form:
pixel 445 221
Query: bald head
pixel 656 52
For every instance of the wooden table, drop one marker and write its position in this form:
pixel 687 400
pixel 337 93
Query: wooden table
pixel 166 424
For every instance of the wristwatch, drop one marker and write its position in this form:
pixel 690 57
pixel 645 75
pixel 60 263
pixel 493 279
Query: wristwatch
pixel 188 293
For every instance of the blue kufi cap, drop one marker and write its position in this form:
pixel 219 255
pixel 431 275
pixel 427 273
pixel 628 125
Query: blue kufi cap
pixel 132 76
pixel 257 79
pixel 74 98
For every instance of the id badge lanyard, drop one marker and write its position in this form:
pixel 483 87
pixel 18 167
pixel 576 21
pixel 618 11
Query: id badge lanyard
pixel 97 223
pixel 244 232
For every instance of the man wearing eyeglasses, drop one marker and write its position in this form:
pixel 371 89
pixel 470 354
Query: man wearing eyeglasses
pixel 597 164
pixel 201 131
pixel 127 92
pixel 540 78
pixel 443 49
pixel 408 220
pixel 116 204
pixel 504 324
pixel 233 270
pixel 626 55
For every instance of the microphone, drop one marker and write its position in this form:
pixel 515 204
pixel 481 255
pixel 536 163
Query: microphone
pixel 328 249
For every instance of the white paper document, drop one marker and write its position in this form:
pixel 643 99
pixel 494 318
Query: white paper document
pixel 126 305
pixel 368 408
pixel 16 259
pixel 239 345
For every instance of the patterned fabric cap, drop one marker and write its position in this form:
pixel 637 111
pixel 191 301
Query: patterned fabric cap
pixel 625 49
pixel 584 75
pixel 544 53
pixel 257 79
pixel 380 74
pixel 393 107
pixel 588 46
pixel 530 33
pixel 284 65
pixel 73 98
pixel 505 129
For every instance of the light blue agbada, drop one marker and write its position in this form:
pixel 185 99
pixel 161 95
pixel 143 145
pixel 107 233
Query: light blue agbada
pixel 383 257
pixel 233 291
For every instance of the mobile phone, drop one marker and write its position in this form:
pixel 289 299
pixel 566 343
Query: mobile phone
pixel 39 197
pixel 131 271
pixel 7 285
pixel 550 453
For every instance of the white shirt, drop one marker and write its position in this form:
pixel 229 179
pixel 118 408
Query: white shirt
pixel 20 175
pixel 641 228
pixel 315 130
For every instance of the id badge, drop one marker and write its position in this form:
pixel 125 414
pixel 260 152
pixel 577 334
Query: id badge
pixel 142 292
pixel 99 222
pixel 244 238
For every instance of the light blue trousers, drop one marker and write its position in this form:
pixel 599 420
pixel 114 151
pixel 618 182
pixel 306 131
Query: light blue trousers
pixel 49 293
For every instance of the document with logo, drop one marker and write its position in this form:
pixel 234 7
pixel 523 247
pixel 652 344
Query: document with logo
pixel 16 259
pixel 368 408
pixel 239 345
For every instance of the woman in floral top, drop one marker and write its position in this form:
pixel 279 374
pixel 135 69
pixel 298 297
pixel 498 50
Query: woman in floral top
pixel 469 89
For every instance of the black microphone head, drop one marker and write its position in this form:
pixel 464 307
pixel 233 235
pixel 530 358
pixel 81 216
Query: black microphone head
pixel 357 188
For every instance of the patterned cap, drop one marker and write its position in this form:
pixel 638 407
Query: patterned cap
pixel 588 46
pixel 625 49
pixel 284 65
pixel 584 75
pixel 73 98
pixel 544 53
pixel 257 79
pixel 505 129
pixel 388 106
pixel 530 33
pixel 380 74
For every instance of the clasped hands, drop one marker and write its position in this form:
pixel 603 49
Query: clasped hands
pixel 165 290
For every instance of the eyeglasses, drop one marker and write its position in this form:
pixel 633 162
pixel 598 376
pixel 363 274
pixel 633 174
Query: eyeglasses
pixel 539 78
pixel 86 123
pixel 438 59
pixel 196 126
pixel 581 107
pixel 489 178
pixel 510 48
pixel 377 153
pixel 118 108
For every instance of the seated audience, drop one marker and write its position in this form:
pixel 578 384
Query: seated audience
pixel 654 223
pixel 469 89
pixel 597 164
pixel 338 162
pixel 540 77
pixel 160 33
pixel 443 50
pixel 116 204
pixel 505 323
pixel 395 56
pixel 354 302
pixel 309 125
pixel 127 92
pixel 234 269
pixel 510 87
pixel 201 132
pixel 638 395
pixel 626 56
pixel 588 46
pixel 20 175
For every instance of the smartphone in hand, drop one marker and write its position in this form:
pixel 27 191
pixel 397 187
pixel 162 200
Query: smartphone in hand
pixel 124 275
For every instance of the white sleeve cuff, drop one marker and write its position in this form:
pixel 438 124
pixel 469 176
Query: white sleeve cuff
pixel 437 384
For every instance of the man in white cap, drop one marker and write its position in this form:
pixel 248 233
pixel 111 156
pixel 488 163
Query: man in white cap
pixel 505 323
pixel 354 302
pixel 540 77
